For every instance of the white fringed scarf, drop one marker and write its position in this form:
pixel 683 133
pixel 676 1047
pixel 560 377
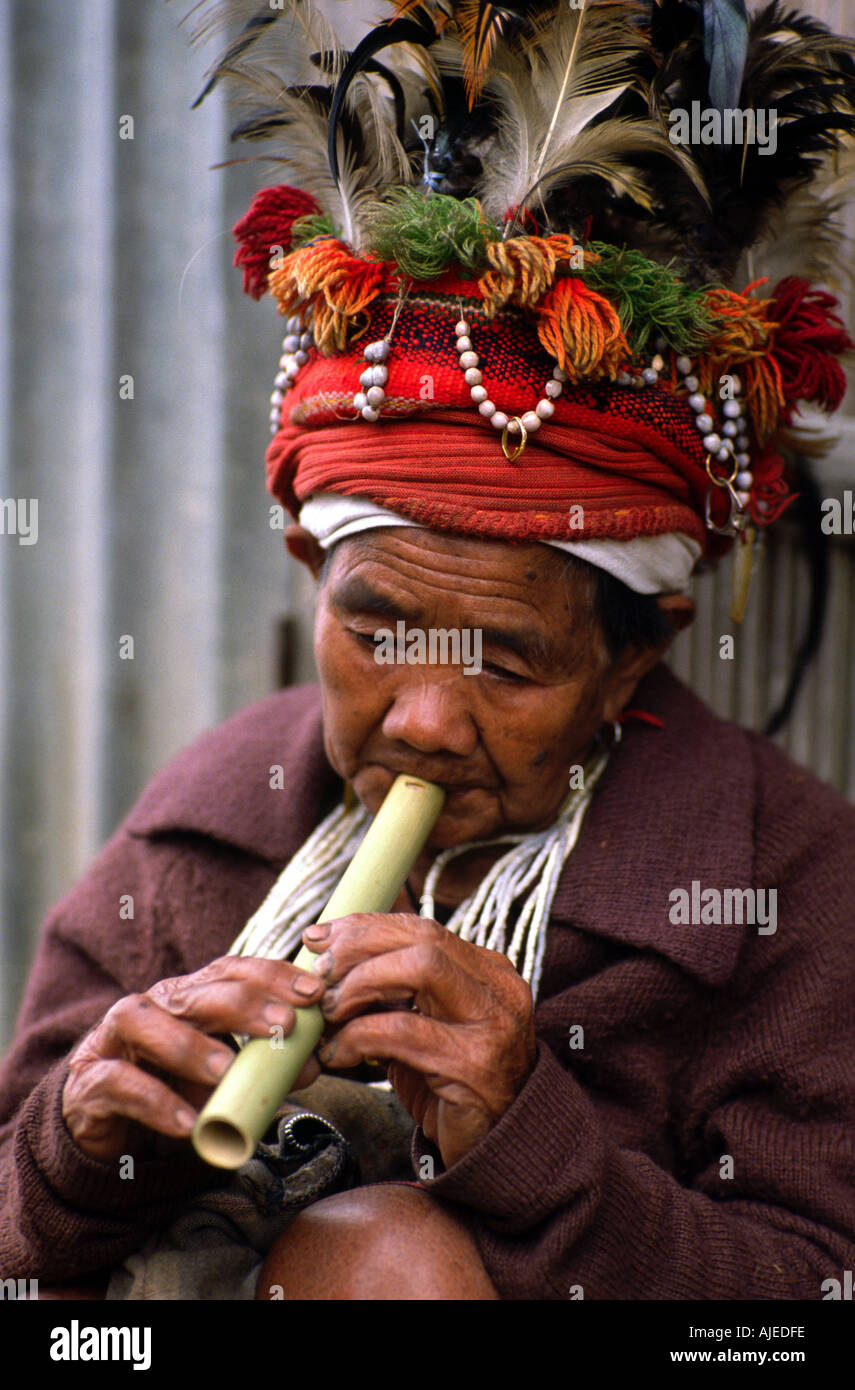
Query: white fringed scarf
pixel 525 878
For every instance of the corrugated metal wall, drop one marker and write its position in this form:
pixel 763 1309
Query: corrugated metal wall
pixel 115 262
pixel 153 523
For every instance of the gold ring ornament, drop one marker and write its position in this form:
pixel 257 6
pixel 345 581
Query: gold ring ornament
pixel 510 454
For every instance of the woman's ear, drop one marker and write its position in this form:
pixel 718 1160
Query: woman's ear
pixel 635 662
pixel 679 609
pixel 303 546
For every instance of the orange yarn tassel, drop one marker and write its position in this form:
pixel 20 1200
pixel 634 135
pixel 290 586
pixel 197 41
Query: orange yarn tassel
pixel 581 330
pixel 764 395
pixel 338 285
pixel 524 269
pixel 743 342
pixel 743 334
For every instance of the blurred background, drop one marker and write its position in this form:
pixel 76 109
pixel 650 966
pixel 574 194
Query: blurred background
pixel 134 394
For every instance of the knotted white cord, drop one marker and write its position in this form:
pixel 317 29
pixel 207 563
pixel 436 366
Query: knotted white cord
pixel 304 887
pixel 527 874
pixel 534 859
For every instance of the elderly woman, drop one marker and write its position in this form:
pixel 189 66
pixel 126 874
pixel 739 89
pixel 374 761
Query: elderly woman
pixel 613 999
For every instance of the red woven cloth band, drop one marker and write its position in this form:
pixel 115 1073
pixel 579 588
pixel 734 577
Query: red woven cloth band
pixel 447 470
pixel 632 458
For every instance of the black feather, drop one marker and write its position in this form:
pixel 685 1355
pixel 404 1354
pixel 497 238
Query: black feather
pixel 725 47
pixel 709 35
pixel 326 63
pixel 795 67
pixel 417 28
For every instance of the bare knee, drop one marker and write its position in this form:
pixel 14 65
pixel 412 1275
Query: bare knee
pixel 388 1242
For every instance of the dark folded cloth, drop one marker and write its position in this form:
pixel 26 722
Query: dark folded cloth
pixel 215 1247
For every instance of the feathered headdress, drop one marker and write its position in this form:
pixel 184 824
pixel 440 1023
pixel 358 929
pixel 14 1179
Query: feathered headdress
pixel 613 186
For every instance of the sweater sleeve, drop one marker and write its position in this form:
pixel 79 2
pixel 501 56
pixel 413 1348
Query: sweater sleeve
pixel 63 1214
pixel 759 1201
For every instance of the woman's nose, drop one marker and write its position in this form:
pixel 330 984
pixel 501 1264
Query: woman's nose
pixel 430 712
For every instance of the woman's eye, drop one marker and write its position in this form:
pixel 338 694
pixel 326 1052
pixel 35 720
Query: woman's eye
pixel 371 639
pixel 501 672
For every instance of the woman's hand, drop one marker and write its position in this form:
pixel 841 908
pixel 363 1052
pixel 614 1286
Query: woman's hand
pixel 168 1027
pixel 462 1051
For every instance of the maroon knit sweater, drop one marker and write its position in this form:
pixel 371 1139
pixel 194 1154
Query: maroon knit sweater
pixel 610 1170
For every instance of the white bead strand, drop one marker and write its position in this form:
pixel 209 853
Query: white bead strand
pixel 295 354
pixel 730 445
pixel 373 381
pixel 733 429
pixel 474 378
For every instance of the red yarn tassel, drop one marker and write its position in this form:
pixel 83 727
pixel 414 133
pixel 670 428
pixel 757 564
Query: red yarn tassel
pixel 266 227
pixel 807 341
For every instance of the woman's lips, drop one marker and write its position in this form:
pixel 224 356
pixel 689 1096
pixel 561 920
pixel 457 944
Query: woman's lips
pixel 448 784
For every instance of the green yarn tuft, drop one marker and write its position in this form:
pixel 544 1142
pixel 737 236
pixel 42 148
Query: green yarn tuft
pixel 425 233
pixel 649 298
pixel 314 224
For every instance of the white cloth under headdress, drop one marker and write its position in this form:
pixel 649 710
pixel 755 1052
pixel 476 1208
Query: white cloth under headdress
pixel 647 565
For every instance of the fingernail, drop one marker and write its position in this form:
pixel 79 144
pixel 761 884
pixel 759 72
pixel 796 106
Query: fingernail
pixel 324 964
pixel 217 1064
pixel 277 1013
pixel 305 985
pixel 330 1000
pixel 185 1118
pixel 327 1052
pixel 318 932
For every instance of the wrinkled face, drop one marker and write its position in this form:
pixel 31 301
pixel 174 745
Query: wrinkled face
pixel 502 741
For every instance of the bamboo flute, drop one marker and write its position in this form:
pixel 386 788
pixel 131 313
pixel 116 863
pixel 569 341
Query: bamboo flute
pixel 264 1071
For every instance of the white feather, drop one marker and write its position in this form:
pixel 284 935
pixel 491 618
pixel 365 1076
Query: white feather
pixel 551 91
pixel 258 75
pixel 281 47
